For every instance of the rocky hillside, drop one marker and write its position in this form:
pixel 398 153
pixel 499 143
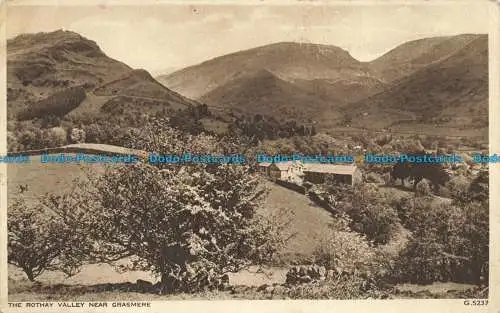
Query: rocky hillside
pixel 42 64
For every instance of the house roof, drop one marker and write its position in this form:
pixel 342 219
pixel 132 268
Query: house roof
pixel 264 164
pixel 340 169
pixel 284 166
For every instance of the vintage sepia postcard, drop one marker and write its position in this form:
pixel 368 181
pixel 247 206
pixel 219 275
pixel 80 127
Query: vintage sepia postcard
pixel 200 156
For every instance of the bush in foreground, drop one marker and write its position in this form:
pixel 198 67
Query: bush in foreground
pixel 449 242
pixel 369 213
pixel 343 250
pixel 423 189
pixel 41 238
pixel 188 227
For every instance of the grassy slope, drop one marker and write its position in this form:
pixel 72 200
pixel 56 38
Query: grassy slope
pixel 42 178
pixel 309 222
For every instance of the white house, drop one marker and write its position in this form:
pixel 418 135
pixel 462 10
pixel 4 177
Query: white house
pixel 290 171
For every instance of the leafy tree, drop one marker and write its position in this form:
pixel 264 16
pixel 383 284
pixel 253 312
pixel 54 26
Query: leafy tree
pixel 54 137
pixel 50 120
pixel 181 225
pixel 45 236
pixel 449 242
pixel 93 133
pixel 369 213
pixel 77 135
pixel 187 224
pixel 31 138
pixel 12 143
pixel 344 250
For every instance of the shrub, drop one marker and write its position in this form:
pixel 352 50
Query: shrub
pixel 457 185
pixel 40 238
pixel 423 188
pixel 344 251
pixel 444 192
pixel 368 211
pixel 377 221
pixel 479 187
pixel 374 178
pixel 448 243
pixel 342 286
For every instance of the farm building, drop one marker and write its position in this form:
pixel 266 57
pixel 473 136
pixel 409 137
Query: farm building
pixel 347 174
pixel 297 172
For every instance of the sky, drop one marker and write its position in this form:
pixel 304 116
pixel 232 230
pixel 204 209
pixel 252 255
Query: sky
pixel 160 38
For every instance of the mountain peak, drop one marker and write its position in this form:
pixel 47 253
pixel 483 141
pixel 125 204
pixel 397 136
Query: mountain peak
pixel 296 49
pixel 55 41
pixel 286 60
pixel 59 34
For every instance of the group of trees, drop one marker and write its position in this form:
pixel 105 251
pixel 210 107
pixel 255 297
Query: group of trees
pixel 185 224
pixel 267 127
pixel 35 122
pixel 449 241
pixel 368 212
pixel 188 120
pixel 51 131
pixel 434 172
pixel 32 138
pixel 58 104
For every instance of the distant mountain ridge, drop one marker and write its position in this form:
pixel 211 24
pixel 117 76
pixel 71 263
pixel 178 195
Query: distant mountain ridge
pixel 434 81
pixel 452 91
pixel 286 60
pixel 414 55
